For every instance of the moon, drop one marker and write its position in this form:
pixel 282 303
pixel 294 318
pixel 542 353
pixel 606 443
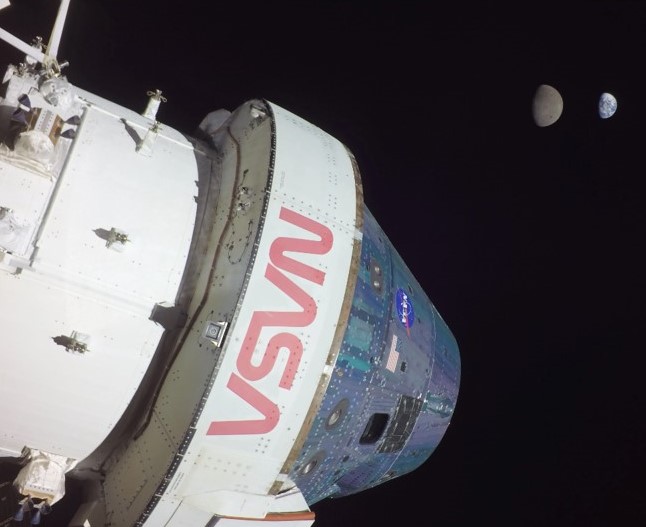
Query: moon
pixel 607 105
pixel 547 105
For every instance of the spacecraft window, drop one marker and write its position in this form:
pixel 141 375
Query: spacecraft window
pixel 313 462
pixel 374 429
pixel 337 414
pixel 309 467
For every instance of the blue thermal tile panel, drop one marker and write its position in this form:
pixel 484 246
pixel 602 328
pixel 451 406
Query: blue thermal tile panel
pixel 394 387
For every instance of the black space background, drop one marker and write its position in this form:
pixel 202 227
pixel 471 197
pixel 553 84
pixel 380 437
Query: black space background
pixel 528 240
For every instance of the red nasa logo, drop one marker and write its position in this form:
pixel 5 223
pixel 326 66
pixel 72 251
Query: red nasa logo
pixel 270 321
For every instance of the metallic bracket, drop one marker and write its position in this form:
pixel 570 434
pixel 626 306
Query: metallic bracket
pixel 376 277
pixel 215 332
pixel 115 236
pixel 75 343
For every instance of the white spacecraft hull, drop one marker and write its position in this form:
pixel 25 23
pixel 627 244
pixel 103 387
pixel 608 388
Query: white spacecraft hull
pixel 209 330
pixel 228 420
pixel 122 339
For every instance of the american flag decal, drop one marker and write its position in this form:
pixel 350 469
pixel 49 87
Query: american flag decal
pixel 393 356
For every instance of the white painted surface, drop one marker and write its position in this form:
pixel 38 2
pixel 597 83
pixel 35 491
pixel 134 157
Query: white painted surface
pixel 287 510
pixel 52 399
pixel 278 522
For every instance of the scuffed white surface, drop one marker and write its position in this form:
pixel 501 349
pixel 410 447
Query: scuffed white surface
pixel 53 398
